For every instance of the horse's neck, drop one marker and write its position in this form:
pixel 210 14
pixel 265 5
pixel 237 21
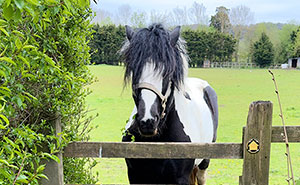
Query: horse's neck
pixel 174 130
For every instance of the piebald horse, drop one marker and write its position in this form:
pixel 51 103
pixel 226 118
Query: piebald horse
pixel 169 106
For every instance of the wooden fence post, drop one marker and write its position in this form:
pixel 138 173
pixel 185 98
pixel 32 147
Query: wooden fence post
pixel 54 170
pixel 257 144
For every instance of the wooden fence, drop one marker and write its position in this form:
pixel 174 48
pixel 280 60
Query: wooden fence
pixel 254 150
pixel 239 65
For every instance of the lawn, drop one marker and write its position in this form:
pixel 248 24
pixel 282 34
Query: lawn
pixel 236 89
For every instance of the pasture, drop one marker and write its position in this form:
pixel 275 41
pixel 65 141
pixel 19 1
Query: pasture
pixel 236 89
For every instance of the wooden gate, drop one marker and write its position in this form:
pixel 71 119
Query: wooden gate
pixel 254 150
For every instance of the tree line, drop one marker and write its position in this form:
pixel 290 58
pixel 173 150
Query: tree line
pixel 237 22
pixel 201 45
pixel 209 44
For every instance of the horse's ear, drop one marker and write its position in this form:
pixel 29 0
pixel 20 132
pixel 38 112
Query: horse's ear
pixel 174 35
pixel 129 32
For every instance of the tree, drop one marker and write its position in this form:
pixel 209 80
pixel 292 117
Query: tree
pixel 124 14
pixel 159 17
pixel 284 49
pixel 263 51
pixel 240 17
pixel 221 21
pixel 253 32
pixel 138 19
pixel 295 36
pixel 197 14
pixel 102 17
pixel 180 16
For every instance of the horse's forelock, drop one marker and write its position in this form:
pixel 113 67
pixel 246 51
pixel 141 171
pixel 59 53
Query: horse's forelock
pixel 152 44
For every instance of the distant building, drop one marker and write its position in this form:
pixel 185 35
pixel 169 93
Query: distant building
pixel 294 62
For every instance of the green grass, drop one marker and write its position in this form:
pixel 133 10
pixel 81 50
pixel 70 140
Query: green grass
pixel 236 89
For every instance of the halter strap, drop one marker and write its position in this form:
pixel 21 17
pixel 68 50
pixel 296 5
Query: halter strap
pixel 163 98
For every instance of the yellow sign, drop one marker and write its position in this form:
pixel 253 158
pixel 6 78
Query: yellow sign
pixel 253 146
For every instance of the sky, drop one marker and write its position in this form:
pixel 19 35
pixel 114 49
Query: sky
pixel 276 11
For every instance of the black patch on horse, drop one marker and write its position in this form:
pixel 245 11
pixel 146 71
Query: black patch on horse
pixel 161 171
pixel 211 100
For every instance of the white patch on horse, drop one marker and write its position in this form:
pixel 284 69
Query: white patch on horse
pixel 154 78
pixel 185 65
pixel 194 114
pixel 149 99
pixel 131 118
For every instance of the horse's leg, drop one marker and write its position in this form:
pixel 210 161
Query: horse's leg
pixel 193 176
pixel 201 173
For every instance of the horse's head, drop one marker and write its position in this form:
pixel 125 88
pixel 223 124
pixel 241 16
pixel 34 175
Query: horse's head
pixel 151 96
pixel 154 62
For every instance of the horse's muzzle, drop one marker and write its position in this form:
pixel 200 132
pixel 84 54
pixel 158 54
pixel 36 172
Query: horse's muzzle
pixel 148 128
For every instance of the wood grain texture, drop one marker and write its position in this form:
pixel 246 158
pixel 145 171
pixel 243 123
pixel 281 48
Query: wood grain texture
pixel 259 127
pixel 293 133
pixel 154 150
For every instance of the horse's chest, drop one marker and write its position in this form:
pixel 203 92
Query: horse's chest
pixel 159 171
pixel 175 130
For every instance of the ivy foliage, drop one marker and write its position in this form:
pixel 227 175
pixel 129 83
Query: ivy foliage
pixel 208 45
pixel 263 52
pixel 43 55
pixel 107 41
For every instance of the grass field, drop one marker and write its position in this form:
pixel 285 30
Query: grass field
pixel 236 89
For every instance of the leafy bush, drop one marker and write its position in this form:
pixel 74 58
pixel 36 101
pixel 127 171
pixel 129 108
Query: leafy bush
pixel 43 55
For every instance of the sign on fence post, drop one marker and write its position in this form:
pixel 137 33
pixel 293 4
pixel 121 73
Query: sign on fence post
pixel 54 170
pixel 257 144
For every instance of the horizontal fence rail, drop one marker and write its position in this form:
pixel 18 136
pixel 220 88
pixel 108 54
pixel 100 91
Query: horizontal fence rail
pixel 293 133
pixel 170 150
pixel 277 136
pixel 154 150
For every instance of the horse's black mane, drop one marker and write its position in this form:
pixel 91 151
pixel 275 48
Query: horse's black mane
pixel 153 44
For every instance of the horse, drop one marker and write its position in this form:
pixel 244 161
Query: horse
pixel 169 106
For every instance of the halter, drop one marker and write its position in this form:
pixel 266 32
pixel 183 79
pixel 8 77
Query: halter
pixel 163 98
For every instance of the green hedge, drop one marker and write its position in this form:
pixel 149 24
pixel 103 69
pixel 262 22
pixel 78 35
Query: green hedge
pixel 208 45
pixel 202 45
pixel 43 55
pixel 105 44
